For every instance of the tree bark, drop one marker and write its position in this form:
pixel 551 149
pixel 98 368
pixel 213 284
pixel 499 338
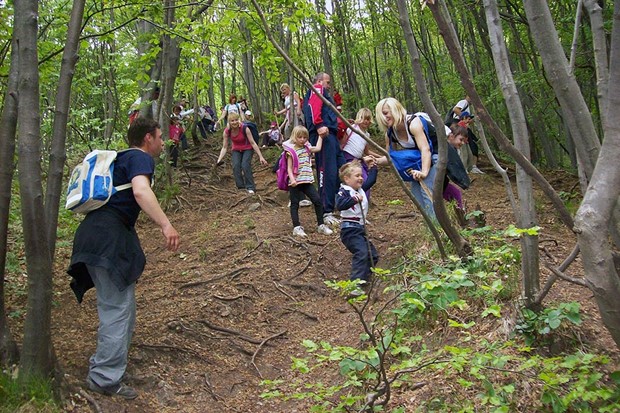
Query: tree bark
pixel 574 108
pixel 37 351
pixel 593 216
pixel 460 244
pixel 59 131
pixel 454 49
pixel 9 353
pixel 527 214
pixel 599 42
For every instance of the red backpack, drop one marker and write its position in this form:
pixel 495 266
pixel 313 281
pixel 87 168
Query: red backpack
pixel 282 172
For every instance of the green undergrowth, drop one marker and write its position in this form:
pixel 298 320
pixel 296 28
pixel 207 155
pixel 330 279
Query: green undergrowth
pixel 33 396
pixel 454 334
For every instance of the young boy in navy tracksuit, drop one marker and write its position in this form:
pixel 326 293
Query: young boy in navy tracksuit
pixel 352 202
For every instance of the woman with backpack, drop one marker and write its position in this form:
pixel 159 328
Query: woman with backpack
pixel 411 132
pixel 231 107
pixel 290 98
pixel 243 148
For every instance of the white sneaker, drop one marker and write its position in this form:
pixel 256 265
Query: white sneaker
pixel 324 229
pixel 305 203
pixel 251 191
pixel 330 219
pixel 299 232
pixel 475 170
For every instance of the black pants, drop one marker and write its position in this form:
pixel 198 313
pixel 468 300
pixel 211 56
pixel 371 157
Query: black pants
pixel 297 194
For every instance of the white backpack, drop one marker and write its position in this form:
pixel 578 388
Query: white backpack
pixel 90 186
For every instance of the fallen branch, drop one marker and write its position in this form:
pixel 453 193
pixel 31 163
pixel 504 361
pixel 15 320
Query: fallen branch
pixel 172 348
pixel 254 249
pixel 90 399
pixel 232 273
pixel 229 331
pixel 297 310
pixel 261 346
pixel 309 286
pixel 301 271
pixel 279 288
pixel 553 277
pixel 236 297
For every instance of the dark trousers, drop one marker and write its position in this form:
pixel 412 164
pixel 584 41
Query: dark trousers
pixel 297 194
pixel 354 238
pixel 328 161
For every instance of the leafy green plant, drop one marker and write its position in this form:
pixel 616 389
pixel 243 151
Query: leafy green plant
pixel 540 327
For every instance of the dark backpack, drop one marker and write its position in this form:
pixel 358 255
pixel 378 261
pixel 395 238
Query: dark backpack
pixel 253 129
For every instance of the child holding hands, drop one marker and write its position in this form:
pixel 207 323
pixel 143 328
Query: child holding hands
pixel 301 179
pixel 352 202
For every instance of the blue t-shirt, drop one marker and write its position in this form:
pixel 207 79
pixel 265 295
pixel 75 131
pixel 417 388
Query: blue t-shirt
pixel 128 165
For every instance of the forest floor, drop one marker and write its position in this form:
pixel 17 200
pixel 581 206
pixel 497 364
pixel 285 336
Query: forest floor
pixel 233 305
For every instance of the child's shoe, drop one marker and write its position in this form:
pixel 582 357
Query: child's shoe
pixel 330 219
pixel 299 231
pixel 305 203
pixel 324 229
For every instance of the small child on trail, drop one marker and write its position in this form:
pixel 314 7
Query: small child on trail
pixel 301 179
pixel 352 202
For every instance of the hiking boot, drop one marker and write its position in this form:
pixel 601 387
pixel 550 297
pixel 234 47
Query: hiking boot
pixel 305 203
pixel 330 219
pixel 120 390
pixel 476 170
pixel 324 229
pixel 299 232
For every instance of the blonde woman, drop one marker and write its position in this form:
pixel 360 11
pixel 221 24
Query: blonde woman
pixel 409 132
pixel 243 148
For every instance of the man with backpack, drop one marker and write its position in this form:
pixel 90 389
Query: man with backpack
pixel 322 121
pixel 107 255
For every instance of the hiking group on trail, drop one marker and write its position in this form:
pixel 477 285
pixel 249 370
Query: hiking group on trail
pixel 106 251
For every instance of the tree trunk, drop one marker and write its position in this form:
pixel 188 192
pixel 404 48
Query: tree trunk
pixel 595 212
pixel 527 215
pixel 576 113
pixel 460 244
pixel 9 353
pixel 595 12
pixel 37 351
pixel 454 49
pixel 59 131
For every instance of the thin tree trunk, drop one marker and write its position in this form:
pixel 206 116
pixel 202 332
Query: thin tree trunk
pixel 577 25
pixel 576 113
pixel 59 131
pixel 595 12
pixel 9 353
pixel 527 215
pixel 37 351
pixel 595 212
pixel 460 244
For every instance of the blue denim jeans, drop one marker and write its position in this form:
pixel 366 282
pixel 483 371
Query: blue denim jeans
pixel 242 169
pixel 364 252
pixel 421 195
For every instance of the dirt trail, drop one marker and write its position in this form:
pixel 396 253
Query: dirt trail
pixel 233 305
